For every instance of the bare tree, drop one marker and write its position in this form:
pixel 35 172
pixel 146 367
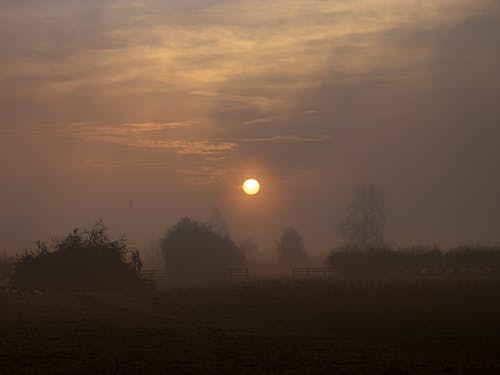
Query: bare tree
pixel 364 225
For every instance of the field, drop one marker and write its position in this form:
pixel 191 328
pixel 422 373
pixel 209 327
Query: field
pixel 265 328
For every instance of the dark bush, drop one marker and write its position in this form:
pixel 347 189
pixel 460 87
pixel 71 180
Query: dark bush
pixel 350 261
pixel 83 261
pixel 6 269
pixel 474 259
pixel 385 261
pixel 465 260
pixel 193 247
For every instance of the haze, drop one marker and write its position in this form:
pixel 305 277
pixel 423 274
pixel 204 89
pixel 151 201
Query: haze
pixel 142 112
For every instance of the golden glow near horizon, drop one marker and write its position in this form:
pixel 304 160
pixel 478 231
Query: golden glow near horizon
pixel 251 186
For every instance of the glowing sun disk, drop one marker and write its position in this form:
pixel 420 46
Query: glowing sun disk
pixel 251 186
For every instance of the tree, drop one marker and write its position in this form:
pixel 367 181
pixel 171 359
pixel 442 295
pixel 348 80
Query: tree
pixel 82 261
pixel 193 247
pixel 364 225
pixel 291 247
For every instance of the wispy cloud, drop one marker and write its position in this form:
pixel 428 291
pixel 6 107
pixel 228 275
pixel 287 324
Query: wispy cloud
pixel 148 135
pixel 124 166
pixel 289 139
pixel 262 120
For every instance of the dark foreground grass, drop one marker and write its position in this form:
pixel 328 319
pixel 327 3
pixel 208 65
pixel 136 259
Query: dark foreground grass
pixel 432 328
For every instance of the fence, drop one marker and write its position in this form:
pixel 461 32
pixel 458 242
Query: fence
pixel 154 276
pixel 238 273
pixel 151 277
pixel 312 272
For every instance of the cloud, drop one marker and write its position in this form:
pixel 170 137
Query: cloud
pixel 261 120
pixel 289 139
pixel 148 135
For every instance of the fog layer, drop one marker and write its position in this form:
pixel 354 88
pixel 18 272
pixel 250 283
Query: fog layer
pixel 142 112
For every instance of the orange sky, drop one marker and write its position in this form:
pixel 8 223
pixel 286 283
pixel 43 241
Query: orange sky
pixel 141 112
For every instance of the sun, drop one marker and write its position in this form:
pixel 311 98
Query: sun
pixel 251 186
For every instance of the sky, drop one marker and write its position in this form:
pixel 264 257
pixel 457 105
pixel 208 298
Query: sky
pixel 141 112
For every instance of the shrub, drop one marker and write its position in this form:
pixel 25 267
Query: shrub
pixel 466 259
pixel 83 261
pixel 6 268
pixel 384 261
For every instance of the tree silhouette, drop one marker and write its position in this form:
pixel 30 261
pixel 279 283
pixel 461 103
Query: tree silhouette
pixel 363 227
pixel 291 247
pixel 191 246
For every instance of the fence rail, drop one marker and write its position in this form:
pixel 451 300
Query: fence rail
pixel 238 272
pixel 312 271
pixel 153 276
pixel 154 273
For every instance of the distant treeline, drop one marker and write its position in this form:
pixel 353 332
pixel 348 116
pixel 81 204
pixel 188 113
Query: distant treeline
pixel 413 261
pixel 90 260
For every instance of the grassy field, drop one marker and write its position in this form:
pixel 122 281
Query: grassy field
pixel 266 328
